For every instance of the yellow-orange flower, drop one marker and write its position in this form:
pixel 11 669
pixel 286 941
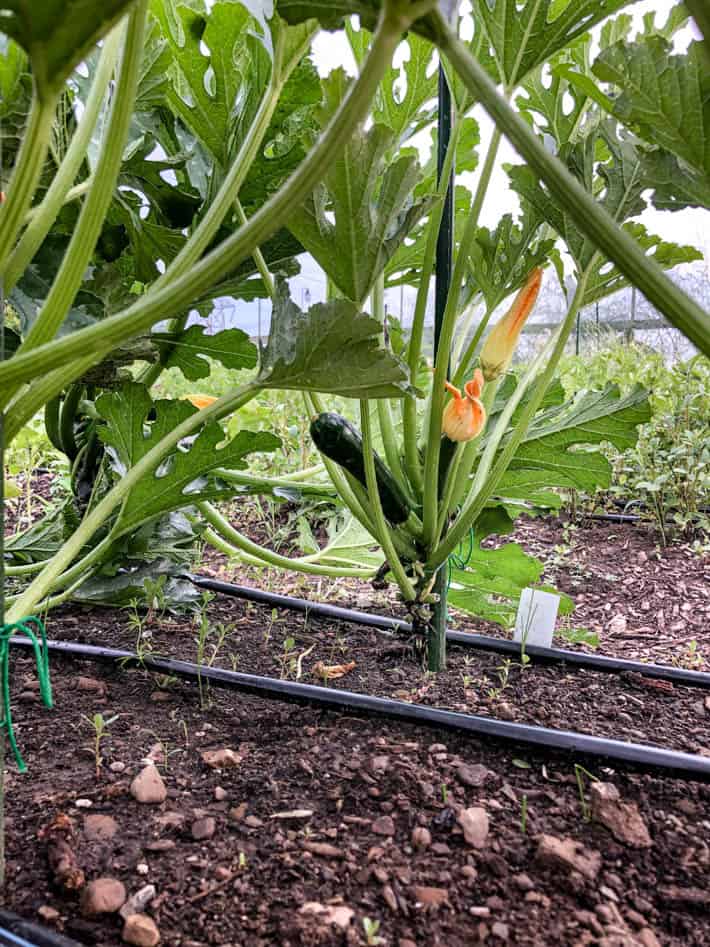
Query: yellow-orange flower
pixel 201 401
pixel 464 416
pixel 502 339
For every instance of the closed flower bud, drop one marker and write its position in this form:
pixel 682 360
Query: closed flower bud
pixel 498 349
pixel 464 416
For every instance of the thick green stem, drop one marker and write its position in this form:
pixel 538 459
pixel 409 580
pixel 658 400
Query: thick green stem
pixel 99 516
pixel 43 216
pixel 238 544
pixel 466 362
pixel 592 220
pixel 382 534
pixel 152 307
pixel 481 493
pixel 441 367
pixel 93 213
pixel 414 350
pixel 384 408
pixel 26 174
pixel 289 483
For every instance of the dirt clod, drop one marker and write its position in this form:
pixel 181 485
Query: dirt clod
pixel 623 819
pixel 148 787
pixel 103 896
pixel 569 854
pixel 141 931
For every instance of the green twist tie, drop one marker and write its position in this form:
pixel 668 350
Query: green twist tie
pixel 42 659
pixel 458 561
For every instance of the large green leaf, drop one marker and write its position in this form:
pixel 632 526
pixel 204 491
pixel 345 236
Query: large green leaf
pixel 404 97
pixel 606 278
pixel 214 94
pixel 523 34
pixel 620 179
pixel 331 348
pixel 57 34
pixel 555 454
pixel 369 198
pixel 502 259
pixel 665 98
pixel 184 476
pixel 193 347
pixel 331 14
pixel 490 583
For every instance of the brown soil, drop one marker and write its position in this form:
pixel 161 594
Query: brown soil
pixel 328 808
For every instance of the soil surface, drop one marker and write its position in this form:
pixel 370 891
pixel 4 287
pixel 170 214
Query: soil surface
pixel 321 828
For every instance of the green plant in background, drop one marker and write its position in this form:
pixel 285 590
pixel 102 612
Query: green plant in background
pixel 222 156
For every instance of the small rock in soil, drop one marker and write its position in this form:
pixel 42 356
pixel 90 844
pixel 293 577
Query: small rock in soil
pixel 617 625
pixel 148 787
pixel 694 897
pixel 293 814
pixel 99 828
pixel 83 803
pixel 473 776
pixel 237 813
pixel 140 930
pixel 117 767
pixel 102 896
pixel 475 825
pixel 383 826
pixel 324 849
pixel 90 685
pixel 253 821
pixel 221 759
pixel 421 838
pixel 203 828
pixel 48 914
pixel 648 938
pixel 138 902
pixel 220 794
pixel 500 930
pixel 390 898
pixel 338 914
pixel 623 819
pixel 432 898
pixel 570 854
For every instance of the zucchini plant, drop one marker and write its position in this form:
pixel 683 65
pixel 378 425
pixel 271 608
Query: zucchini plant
pixel 196 154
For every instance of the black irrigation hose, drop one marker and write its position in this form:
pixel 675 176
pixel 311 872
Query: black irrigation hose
pixel 15 931
pixel 592 662
pixel 671 762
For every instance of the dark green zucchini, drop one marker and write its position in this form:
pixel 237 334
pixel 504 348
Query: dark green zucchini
pixel 337 439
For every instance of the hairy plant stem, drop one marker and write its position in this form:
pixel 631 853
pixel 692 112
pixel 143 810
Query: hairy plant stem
pixel 26 173
pixel 438 391
pixel 235 543
pixel 96 518
pixel 466 361
pixel 190 285
pixel 78 254
pixel 289 482
pixel 591 219
pixel 384 407
pixel 414 350
pixel 382 528
pixel 43 216
pixel 482 490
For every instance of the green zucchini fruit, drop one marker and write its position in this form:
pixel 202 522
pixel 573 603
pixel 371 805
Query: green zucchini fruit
pixel 337 439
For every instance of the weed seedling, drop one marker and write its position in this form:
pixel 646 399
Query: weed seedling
pixel 524 814
pixel 371 928
pixel 580 772
pixel 99 724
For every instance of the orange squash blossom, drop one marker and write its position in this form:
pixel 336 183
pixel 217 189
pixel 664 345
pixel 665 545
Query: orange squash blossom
pixel 464 416
pixel 498 349
pixel 201 401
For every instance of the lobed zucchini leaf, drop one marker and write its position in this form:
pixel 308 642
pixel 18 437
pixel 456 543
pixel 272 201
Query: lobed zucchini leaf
pixel 333 347
pixel 192 349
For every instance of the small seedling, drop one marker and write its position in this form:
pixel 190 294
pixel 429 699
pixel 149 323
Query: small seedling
pixel 580 772
pixel 371 928
pixel 444 793
pixel 99 724
pixel 524 814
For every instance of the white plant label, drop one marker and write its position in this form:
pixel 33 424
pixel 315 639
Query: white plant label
pixel 535 621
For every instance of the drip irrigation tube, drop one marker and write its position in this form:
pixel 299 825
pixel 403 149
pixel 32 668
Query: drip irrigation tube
pixel 591 662
pixel 671 762
pixel 15 931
